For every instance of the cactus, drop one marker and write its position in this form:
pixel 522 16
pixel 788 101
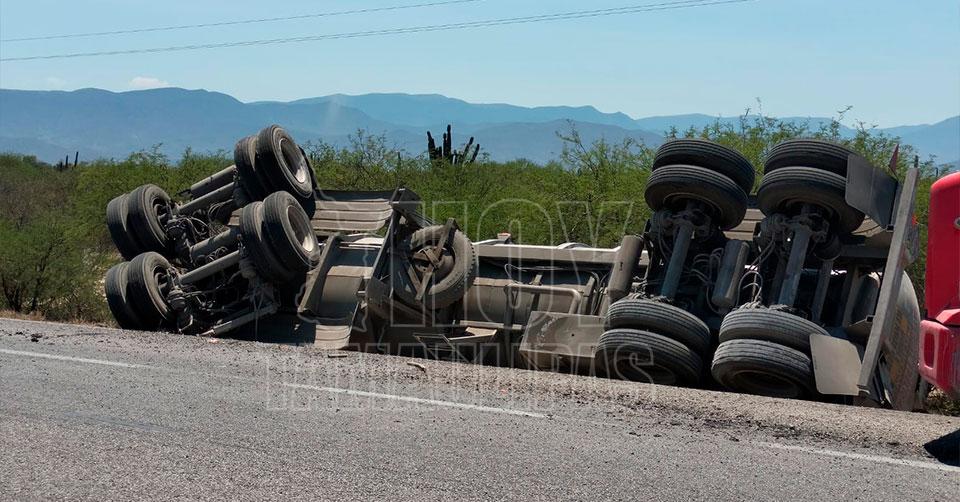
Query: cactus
pixel 446 152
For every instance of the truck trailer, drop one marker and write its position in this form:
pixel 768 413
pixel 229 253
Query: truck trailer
pixel 795 291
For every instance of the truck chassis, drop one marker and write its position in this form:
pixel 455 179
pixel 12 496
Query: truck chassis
pixel 797 292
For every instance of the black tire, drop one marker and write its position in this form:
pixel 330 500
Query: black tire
pixel 713 156
pixel 268 265
pixel 641 356
pixel 120 234
pixel 764 369
pixel 146 207
pixel 450 284
pixel 670 187
pixel 787 189
pixel 245 158
pixel 813 153
pixel 290 234
pixel 146 278
pixel 664 319
pixel 771 326
pixel 283 163
pixel 115 289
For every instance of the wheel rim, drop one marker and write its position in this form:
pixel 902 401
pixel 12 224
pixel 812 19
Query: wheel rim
pixel 434 258
pixel 302 230
pixel 160 277
pixel 293 161
pixel 162 210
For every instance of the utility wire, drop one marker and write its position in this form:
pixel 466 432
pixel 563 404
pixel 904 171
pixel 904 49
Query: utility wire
pixel 399 31
pixel 234 23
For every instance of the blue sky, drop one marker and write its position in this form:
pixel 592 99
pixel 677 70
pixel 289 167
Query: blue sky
pixel 895 61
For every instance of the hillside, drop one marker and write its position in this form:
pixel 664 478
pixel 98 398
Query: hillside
pixel 98 123
pixel 425 110
pixel 101 123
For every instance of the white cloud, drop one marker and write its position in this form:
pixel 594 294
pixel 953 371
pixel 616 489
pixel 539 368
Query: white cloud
pixel 141 83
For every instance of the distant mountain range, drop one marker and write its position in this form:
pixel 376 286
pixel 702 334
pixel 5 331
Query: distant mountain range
pixel 98 123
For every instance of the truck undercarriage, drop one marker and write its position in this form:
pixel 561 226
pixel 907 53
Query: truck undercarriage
pixel 796 292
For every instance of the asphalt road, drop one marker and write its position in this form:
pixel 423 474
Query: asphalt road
pixel 94 413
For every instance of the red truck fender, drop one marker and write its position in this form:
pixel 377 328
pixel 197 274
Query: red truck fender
pixel 940 356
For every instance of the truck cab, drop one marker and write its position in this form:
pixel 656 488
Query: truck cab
pixel 940 332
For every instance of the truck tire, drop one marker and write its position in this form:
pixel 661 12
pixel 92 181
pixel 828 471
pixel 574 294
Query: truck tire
pixel 290 233
pixel 146 208
pixel 813 153
pixel 146 281
pixel 771 326
pixel 641 356
pixel 268 265
pixel 664 319
pixel 764 369
pixel 119 230
pixel 786 189
pixel 115 289
pixel 287 167
pixel 669 187
pixel 713 156
pixel 459 267
pixel 245 158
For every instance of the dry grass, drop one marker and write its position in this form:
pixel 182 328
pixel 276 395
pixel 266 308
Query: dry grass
pixel 939 403
pixel 10 314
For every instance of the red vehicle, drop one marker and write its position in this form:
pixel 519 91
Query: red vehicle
pixel 940 334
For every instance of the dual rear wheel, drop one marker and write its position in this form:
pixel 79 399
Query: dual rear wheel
pixel 137 291
pixel 276 234
pixel 267 162
pixel 766 352
pixel 279 238
pixel 696 183
pixel 762 351
pixel 811 173
pixel 700 171
pixel 271 161
pixel 137 221
pixel 652 342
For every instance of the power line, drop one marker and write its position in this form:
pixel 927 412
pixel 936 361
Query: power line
pixel 399 31
pixel 233 23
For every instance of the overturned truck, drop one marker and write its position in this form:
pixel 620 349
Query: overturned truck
pixel 798 291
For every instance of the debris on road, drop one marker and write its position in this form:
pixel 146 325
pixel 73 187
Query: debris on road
pixel 418 366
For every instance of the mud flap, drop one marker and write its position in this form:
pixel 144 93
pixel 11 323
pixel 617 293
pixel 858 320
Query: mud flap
pixel 871 191
pixel 332 336
pixel 558 342
pixel 836 365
